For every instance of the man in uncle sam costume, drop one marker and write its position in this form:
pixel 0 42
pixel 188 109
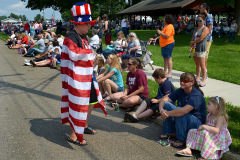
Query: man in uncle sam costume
pixel 80 90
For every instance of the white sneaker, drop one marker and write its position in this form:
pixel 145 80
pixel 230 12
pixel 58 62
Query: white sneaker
pixel 151 62
pixel 26 60
pixel 27 64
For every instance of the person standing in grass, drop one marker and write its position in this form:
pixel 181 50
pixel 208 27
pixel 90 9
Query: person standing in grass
pixel 199 41
pixel 167 43
pixel 209 24
pixel 107 29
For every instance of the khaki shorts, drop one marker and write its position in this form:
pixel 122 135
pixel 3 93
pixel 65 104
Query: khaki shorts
pixel 199 54
pixel 209 43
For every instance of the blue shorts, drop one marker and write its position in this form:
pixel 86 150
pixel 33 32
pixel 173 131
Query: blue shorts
pixel 167 50
pixel 120 89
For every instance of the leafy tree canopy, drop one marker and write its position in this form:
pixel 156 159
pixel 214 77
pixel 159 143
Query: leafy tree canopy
pixel 22 17
pixel 3 17
pixel 99 7
pixel 38 17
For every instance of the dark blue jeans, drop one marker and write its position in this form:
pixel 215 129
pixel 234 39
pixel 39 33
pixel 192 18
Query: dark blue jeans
pixel 232 34
pixel 179 125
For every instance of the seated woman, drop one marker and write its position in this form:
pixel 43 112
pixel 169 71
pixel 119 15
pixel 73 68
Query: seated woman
pixel 150 106
pixel 153 40
pixel 190 113
pixel 112 79
pixel 22 41
pixel 134 49
pixel 98 66
pixel 56 50
pixel 137 86
pixel 119 44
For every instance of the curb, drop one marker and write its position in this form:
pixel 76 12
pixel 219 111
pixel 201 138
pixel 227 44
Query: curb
pixel 226 156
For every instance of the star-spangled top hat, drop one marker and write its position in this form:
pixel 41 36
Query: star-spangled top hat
pixel 81 12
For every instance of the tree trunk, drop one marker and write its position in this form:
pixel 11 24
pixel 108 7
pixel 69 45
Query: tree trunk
pixel 237 14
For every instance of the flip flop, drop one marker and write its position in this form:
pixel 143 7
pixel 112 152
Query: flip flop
pixel 76 142
pixel 202 85
pixel 184 153
pixel 88 130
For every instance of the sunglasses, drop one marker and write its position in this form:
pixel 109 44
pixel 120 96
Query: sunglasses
pixel 130 64
pixel 118 35
pixel 131 36
pixel 185 81
pixel 199 21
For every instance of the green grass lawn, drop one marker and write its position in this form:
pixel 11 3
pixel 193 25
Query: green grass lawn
pixel 223 61
pixel 3 36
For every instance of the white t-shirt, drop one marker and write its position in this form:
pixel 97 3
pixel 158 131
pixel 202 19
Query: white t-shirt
pixel 94 40
pixel 60 41
pixel 118 47
pixel 123 23
pixel 226 29
pixel 12 36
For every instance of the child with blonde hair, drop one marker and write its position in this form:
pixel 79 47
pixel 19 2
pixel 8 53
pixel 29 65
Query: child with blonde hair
pixel 111 79
pixel 98 66
pixel 213 138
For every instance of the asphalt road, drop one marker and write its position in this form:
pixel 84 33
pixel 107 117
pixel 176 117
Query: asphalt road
pixel 31 125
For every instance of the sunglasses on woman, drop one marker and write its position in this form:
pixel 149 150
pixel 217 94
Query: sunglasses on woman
pixel 199 21
pixel 185 81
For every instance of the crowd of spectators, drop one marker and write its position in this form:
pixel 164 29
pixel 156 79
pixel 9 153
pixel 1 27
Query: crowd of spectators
pixel 32 40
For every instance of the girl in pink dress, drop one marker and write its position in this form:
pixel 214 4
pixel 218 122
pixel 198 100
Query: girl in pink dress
pixel 212 138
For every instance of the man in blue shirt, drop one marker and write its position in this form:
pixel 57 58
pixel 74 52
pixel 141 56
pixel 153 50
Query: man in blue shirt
pixel 208 23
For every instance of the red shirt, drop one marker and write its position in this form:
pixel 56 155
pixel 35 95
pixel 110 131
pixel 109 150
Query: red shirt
pixel 137 79
pixel 25 39
pixel 26 27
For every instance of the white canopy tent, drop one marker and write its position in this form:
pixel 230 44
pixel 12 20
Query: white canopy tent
pixel 9 20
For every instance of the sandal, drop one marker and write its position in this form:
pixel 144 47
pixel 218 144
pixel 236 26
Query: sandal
pixel 166 136
pixel 130 118
pixel 179 144
pixel 89 130
pixel 77 142
pixel 184 153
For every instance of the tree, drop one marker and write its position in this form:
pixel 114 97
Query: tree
pixel 23 17
pixel 38 17
pixel 3 17
pixel 99 7
pixel 14 16
pixel 226 3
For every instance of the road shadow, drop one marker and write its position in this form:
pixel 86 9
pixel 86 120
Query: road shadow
pixel 51 129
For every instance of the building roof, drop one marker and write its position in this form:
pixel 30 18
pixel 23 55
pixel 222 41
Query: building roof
pixel 162 7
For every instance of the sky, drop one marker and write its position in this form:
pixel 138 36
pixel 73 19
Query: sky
pixel 18 7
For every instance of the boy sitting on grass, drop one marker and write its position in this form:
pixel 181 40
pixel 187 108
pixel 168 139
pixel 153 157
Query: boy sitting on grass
pixel 150 106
